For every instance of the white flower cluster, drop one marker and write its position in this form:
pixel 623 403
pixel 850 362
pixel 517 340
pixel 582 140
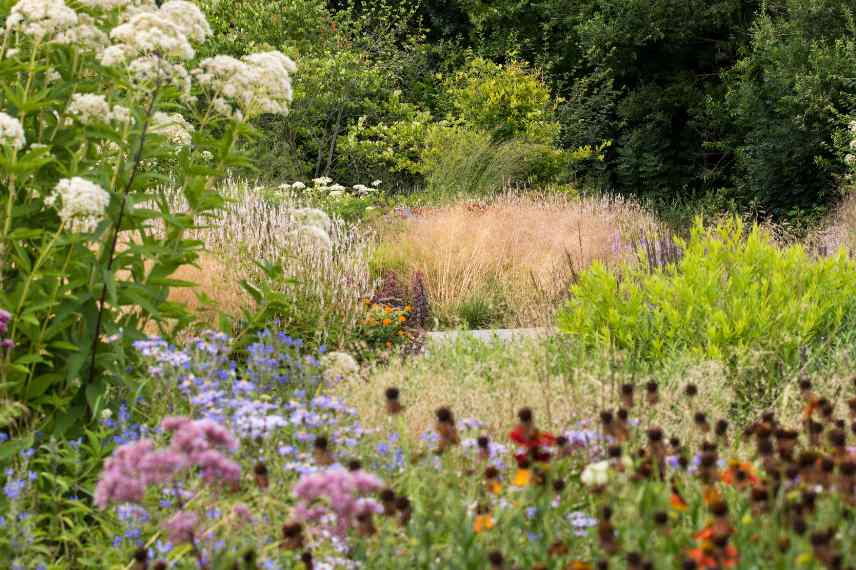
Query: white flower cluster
pixel 81 203
pixel 253 85
pixel 41 18
pixel 337 366
pixel 151 70
pixel 105 5
pixel 313 227
pixel 11 132
pixel 93 109
pixel 174 127
pixel 85 35
pixel 325 185
pixel 166 31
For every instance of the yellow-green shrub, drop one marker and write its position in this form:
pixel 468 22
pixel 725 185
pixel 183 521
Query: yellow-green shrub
pixel 731 293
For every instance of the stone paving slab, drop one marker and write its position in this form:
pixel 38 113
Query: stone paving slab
pixel 488 335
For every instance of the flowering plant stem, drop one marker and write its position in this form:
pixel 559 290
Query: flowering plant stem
pixel 111 252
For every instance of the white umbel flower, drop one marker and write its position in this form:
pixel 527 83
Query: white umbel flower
pixel 311 217
pixel 257 84
pixel 93 108
pixel 85 35
pixel 89 108
pixel 338 366
pixel 151 32
pixel 298 186
pixel 174 127
pixel 188 17
pixel 313 237
pixel 11 132
pixel 106 5
pixel 41 18
pixel 151 70
pixel 595 474
pixel 81 203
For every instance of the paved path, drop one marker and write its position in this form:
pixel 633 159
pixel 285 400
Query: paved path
pixel 488 335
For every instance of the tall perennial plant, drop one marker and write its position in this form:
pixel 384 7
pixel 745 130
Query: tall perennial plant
pixel 99 104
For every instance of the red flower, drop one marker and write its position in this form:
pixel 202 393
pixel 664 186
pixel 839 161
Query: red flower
pixel 533 441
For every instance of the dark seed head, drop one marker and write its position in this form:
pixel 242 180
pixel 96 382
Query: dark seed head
pixel 483 441
pixel 721 427
pixel 719 509
pixel 691 390
pixel 444 415
pixel 321 442
pixel 260 469
pixel 354 465
pixel 655 435
pixel 392 394
pixel 525 415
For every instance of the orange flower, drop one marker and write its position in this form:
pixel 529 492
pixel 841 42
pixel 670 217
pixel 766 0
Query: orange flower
pixel 703 558
pixel 578 565
pixel 712 495
pixel 729 476
pixel 401 318
pixel 494 486
pixel 482 523
pixel 522 477
pixel 387 309
pixel 678 502
pixel 387 322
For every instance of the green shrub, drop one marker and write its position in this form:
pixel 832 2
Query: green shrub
pixel 728 296
pixel 507 101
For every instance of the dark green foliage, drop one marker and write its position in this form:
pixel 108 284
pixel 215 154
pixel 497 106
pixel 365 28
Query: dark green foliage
pixel 786 97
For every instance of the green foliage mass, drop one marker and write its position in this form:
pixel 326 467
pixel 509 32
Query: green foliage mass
pixel 732 293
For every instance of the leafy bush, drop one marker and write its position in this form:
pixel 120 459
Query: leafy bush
pixel 730 294
pixel 786 97
pixel 507 101
pixel 97 107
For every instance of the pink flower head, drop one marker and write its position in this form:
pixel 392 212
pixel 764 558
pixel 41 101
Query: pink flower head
pixel 343 491
pixel 216 467
pixel 242 514
pixel 135 466
pixel 121 480
pixel 181 527
pixel 160 467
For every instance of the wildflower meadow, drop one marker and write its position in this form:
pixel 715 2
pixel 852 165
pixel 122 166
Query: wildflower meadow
pixel 443 285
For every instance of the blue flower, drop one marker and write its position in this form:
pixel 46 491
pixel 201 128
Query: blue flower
pixel 13 489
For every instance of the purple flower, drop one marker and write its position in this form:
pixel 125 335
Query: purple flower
pixel 344 491
pixel 181 527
